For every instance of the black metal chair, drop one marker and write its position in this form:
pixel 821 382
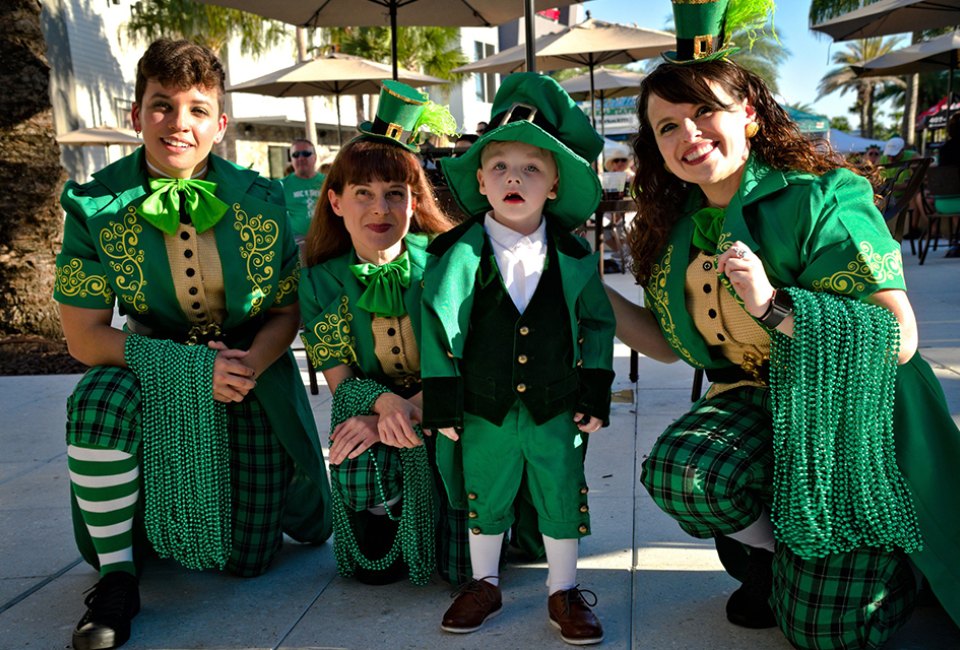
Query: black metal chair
pixel 909 176
pixel 942 183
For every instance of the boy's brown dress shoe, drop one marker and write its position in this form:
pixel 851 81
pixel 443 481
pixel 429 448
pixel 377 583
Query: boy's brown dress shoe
pixel 476 601
pixel 571 614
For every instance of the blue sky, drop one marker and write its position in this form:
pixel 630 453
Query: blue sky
pixel 810 52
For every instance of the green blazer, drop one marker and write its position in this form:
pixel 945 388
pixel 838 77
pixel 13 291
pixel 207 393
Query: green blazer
pixel 449 286
pixel 111 254
pixel 335 330
pixel 825 234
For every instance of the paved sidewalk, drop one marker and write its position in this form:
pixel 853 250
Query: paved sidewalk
pixel 657 588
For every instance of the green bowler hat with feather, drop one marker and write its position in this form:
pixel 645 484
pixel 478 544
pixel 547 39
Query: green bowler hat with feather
pixel 402 114
pixel 704 27
pixel 533 108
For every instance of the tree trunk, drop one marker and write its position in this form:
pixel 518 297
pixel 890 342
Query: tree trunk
pixel 866 130
pixel 31 177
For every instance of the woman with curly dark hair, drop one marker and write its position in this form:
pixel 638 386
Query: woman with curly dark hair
pixel 765 262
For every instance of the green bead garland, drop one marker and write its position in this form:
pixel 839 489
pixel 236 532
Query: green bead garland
pixel 186 454
pixel 415 537
pixel 837 486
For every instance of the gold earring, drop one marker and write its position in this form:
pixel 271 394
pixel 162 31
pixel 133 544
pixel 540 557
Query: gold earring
pixel 752 129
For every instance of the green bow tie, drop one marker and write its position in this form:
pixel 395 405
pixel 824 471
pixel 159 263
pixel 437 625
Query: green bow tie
pixel 162 208
pixel 707 224
pixel 383 295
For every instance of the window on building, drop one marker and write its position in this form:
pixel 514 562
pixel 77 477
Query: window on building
pixel 486 83
pixel 277 157
pixel 121 112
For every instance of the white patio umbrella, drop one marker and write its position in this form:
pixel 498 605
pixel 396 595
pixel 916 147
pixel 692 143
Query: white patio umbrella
pixel 100 135
pixel 587 44
pixel 332 74
pixel 608 83
pixel 374 13
pixel 891 17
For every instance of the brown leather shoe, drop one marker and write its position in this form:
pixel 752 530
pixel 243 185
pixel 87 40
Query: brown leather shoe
pixel 476 601
pixel 571 614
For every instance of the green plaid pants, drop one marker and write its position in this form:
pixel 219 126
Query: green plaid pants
pixel 712 471
pixel 357 481
pixel 104 412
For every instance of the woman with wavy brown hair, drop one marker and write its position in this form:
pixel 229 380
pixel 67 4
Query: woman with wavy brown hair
pixel 765 262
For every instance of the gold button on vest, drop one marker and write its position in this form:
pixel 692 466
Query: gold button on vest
pixel 521 388
pixel 524 330
pixel 472 496
pixel 522 359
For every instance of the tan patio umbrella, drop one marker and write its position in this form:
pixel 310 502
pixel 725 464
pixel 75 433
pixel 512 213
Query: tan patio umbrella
pixel 100 135
pixel 608 83
pixel 587 44
pixel 332 74
pixel 891 17
pixel 374 13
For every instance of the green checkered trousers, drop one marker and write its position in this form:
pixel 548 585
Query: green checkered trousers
pixel 712 471
pixel 356 480
pixel 104 412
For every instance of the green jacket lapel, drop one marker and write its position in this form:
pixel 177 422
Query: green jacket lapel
pixel 451 298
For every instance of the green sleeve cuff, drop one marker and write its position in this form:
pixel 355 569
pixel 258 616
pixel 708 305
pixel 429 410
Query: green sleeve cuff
pixel 595 393
pixel 442 402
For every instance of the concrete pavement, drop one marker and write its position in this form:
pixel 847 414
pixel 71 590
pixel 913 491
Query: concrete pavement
pixel 657 588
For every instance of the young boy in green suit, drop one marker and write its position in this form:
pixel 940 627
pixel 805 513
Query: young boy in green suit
pixel 518 343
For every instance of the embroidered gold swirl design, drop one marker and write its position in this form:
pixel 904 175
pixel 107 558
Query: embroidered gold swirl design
pixel 258 236
pixel 656 289
pixel 334 340
pixel 72 280
pixel 870 267
pixel 119 242
pixel 288 284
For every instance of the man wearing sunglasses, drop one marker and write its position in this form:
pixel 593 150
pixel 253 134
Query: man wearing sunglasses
pixel 302 187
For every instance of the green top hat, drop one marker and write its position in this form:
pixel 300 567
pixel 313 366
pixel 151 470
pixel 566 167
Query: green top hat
pixel 534 109
pixel 704 27
pixel 401 112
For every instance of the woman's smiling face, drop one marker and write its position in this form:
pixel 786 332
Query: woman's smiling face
pixel 377 214
pixel 704 145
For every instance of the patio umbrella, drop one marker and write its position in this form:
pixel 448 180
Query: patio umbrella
pixel 332 74
pixel 937 54
pixel 608 83
pixel 100 135
pixel 373 13
pixel 587 44
pixel 891 17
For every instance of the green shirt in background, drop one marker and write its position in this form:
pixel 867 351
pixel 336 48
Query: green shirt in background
pixel 301 195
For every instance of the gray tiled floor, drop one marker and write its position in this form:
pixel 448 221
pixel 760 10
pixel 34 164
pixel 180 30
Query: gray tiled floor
pixel 657 587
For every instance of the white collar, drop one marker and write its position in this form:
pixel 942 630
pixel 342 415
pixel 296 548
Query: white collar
pixel 510 238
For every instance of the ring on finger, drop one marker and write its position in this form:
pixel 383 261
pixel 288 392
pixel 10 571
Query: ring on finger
pixel 739 252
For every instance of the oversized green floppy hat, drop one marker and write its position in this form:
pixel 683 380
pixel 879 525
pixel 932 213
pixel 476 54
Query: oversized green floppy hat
pixel 534 109
pixel 402 112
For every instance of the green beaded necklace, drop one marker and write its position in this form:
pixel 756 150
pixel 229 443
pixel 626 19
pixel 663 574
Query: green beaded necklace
pixel 837 486
pixel 415 537
pixel 186 455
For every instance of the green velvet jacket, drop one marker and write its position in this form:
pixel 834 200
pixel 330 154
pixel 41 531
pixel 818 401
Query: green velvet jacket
pixel 111 254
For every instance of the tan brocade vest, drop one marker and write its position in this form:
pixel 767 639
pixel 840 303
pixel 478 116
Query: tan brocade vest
pixel 722 322
pixel 395 346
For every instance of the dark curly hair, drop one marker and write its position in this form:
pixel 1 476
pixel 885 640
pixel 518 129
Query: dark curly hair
pixel 181 64
pixel 361 161
pixel 659 194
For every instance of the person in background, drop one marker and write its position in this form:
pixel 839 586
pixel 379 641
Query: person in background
pixel 872 155
pixel 197 401
pixel 822 460
pixel 302 188
pixel 618 159
pixel 895 152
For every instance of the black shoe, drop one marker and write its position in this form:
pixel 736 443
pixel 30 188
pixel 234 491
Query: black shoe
pixel 111 605
pixel 375 535
pixel 749 606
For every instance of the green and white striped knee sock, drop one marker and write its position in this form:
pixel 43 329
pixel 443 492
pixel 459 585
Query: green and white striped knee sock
pixel 106 483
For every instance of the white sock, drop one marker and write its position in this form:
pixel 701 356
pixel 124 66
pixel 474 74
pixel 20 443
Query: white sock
pixel 485 557
pixel 561 563
pixel 759 534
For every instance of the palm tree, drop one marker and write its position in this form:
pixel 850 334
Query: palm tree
pixel 31 176
pixel 844 79
pixel 432 50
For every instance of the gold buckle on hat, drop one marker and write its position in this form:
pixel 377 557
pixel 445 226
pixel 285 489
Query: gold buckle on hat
pixel 702 46
pixel 394 131
pixel 531 113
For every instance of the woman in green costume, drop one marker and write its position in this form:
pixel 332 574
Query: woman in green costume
pixel 192 425
pixel 822 458
pixel 361 293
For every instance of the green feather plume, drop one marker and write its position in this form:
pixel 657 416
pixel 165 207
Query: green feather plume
pixel 750 16
pixel 437 119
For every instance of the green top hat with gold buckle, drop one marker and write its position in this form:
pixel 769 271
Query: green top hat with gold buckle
pixel 704 27
pixel 402 113
pixel 535 109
